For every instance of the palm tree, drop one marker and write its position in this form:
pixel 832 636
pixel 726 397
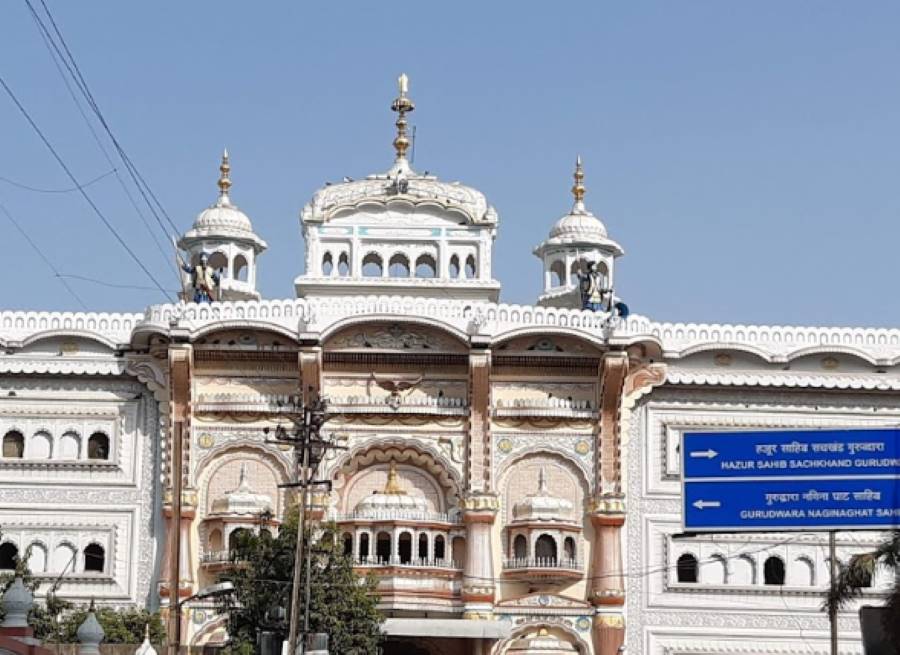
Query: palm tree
pixel 857 575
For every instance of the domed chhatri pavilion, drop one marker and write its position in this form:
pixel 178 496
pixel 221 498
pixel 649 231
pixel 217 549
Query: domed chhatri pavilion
pixel 510 474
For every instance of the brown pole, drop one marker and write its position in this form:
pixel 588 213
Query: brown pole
pixel 298 553
pixel 832 610
pixel 175 559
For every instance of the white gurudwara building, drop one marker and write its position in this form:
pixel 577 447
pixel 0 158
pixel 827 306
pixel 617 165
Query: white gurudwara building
pixel 511 472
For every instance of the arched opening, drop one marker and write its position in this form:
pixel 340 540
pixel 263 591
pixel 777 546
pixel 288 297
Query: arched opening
pixel 327 264
pixel 348 544
pixel 40 446
pixel 557 274
pixel 398 266
pixel 569 548
pixel 805 572
pixel 470 267
pixel 686 568
pixel 439 546
pixel 363 546
pixel 14 445
pixel 236 538
pixel 219 262
pixel 9 555
pixel 520 547
pixel 343 265
pixel 404 548
pixel 37 558
pixel 69 446
pixel 715 571
pixel 63 559
pixel 425 266
pixel 458 551
pixel 372 265
pixel 743 571
pixel 214 541
pixel 423 546
pixel 575 269
pixel 240 268
pixel 453 269
pixel 383 547
pixel 98 446
pixel 545 550
pixel 94 558
pixel 773 571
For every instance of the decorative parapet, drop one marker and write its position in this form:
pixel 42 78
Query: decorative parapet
pixel 18 328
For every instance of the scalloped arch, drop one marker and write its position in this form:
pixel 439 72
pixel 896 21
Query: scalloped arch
pixel 546 331
pixel 835 350
pixel 244 324
pixel 765 355
pixel 76 334
pixel 550 624
pixel 369 319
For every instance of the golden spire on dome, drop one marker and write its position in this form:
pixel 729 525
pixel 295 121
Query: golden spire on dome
pixel 578 187
pixel 224 178
pixel 392 486
pixel 402 105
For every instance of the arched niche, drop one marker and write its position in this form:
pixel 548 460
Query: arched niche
pixel 225 477
pixel 415 481
pixel 564 479
pixel 359 333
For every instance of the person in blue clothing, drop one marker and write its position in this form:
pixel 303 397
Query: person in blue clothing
pixel 204 280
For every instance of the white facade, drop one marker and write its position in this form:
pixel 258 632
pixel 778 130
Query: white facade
pixel 511 472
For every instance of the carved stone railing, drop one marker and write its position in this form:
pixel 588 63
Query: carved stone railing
pixel 224 402
pixel 542 563
pixel 397 515
pixel 413 563
pixel 215 557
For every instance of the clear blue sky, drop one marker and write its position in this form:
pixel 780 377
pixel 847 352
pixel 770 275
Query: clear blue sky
pixel 746 155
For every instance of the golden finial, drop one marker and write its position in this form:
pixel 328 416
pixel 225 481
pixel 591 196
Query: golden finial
pixel 392 486
pixel 578 187
pixel 224 179
pixel 402 105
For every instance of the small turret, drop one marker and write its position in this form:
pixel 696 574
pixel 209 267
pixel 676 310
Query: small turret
pixel 225 235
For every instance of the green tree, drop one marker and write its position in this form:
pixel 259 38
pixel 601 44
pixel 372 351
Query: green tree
pixel 342 603
pixel 857 575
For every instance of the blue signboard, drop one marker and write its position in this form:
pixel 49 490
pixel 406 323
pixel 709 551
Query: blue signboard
pixel 791 480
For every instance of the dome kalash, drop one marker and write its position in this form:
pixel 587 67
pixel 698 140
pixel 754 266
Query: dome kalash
pixel 399 233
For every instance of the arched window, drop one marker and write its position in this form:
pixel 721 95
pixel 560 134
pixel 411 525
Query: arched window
pixel 348 544
pixel 9 555
pixel 383 547
pixel 40 446
pixel 557 274
pixel 63 559
pixel 14 444
pixel 423 546
pixel 545 550
pixel 69 446
pixel 98 446
pixel 686 568
pixel 470 267
pixel 37 558
pixel 520 547
pixel 215 540
pixel 404 548
pixel 364 546
pixel 219 262
pixel 327 264
pixel 454 266
pixel 241 269
pixel 773 570
pixel 439 547
pixel 398 266
pixel 803 572
pixel 569 548
pixel 235 537
pixel 343 265
pixel 575 269
pixel 371 265
pixel 94 558
pixel 425 266
pixel 458 551
pixel 743 571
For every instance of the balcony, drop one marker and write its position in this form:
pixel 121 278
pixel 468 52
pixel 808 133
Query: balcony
pixel 551 407
pixel 447 565
pixel 396 515
pixel 546 569
pixel 216 559
pixel 389 404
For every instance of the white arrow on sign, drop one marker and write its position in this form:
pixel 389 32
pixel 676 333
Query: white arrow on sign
pixel 708 454
pixel 703 504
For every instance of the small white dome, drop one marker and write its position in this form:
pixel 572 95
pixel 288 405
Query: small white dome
pixel 222 217
pixel 242 500
pixel 542 506
pixel 393 499
pixel 578 225
pixel 541 643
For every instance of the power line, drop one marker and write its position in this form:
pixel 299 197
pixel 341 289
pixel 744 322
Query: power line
pixel 80 187
pixel 83 278
pixel 85 90
pixel 74 188
pixel 56 57
pixel 42 256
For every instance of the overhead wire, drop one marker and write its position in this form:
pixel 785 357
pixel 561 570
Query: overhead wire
pixel 41 254
pixel 80 187
pixel 75 71
pixel 57 57
pixel 69 190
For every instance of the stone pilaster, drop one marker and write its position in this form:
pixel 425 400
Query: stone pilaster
pixel 608 633
pixel 479 513
pixel 478 455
